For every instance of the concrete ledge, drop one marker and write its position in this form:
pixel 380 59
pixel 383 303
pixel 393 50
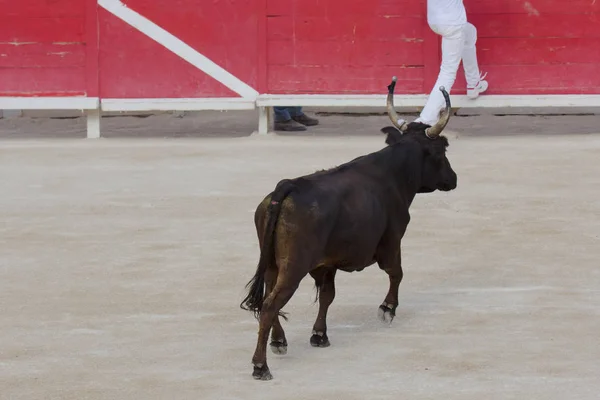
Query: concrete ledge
pixel 65 107
pixel 217 104
pixel 458 101
pixel 49 103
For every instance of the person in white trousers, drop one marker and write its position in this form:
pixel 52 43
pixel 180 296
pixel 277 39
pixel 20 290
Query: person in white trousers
pixel 448 18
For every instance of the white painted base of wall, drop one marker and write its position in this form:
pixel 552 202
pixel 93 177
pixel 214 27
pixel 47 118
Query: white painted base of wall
pixel 458 101
pixel 94 106
pixel 218 104
pixel 89 104
pixel 49 103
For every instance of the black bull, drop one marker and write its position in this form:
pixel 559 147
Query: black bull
pixel 346 218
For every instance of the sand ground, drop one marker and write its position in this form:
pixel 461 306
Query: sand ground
pixel 123 262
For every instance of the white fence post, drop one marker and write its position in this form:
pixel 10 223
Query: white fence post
pixel 93 123
pixel 265 120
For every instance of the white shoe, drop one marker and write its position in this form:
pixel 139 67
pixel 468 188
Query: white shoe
pixel 481 87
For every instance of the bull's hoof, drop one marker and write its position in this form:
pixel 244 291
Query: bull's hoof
pixel 386 313
pixel 319 340
pixel 279 346
pixel 262 373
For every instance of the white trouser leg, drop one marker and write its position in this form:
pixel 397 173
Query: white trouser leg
pixel 453 43
pixel 469 56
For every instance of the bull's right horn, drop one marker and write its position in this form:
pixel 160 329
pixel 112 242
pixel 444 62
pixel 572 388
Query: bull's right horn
pixel 396 120
pixel 439 126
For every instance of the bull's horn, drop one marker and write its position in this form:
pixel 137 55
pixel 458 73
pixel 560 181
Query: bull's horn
pixel 439 126
pixel 390 107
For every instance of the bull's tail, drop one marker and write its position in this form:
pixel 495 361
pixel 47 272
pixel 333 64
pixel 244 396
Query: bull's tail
pixel 256 293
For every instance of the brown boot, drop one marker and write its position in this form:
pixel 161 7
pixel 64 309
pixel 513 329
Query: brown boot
pixel 306 120
pixel 289 125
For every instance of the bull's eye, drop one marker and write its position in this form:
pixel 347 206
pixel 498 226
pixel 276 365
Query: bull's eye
pixel 437 160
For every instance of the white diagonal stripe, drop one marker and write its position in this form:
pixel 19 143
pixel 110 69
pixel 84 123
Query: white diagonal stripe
pixel 175 45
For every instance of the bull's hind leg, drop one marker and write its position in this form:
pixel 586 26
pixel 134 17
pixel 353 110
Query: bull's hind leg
pixel 391 263
pixel 278 341
pixel 325 282
pixel 275 301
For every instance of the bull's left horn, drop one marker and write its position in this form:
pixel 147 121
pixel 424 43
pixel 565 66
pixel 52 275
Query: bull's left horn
pixel 390 107
pixel 439 126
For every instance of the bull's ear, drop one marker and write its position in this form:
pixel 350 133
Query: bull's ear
pixel 393 135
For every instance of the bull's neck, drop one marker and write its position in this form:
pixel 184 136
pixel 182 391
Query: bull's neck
pixel 405 162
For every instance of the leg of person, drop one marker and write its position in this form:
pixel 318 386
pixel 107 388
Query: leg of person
pixel 298 115
pixel 452 49
pixel 475 83
pixel 284 121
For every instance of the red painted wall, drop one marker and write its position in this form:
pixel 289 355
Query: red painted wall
pixel 135 66
pixel 45 49
pixel 354 46
pixel 346 46
pixel 537 47
pixel 74 47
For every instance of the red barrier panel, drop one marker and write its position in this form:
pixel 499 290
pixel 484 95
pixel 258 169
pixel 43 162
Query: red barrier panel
pixel 48 48
pixel 132 65
pixel 543 47
pixel 347 46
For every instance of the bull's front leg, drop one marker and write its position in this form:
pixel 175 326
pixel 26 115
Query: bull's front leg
pixel 325 282
pixel 392 265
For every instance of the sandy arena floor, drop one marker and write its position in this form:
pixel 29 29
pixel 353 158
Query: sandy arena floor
pixel 123 262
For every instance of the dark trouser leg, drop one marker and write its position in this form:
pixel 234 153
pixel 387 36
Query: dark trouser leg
pixel 295 112
pixel 282 114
